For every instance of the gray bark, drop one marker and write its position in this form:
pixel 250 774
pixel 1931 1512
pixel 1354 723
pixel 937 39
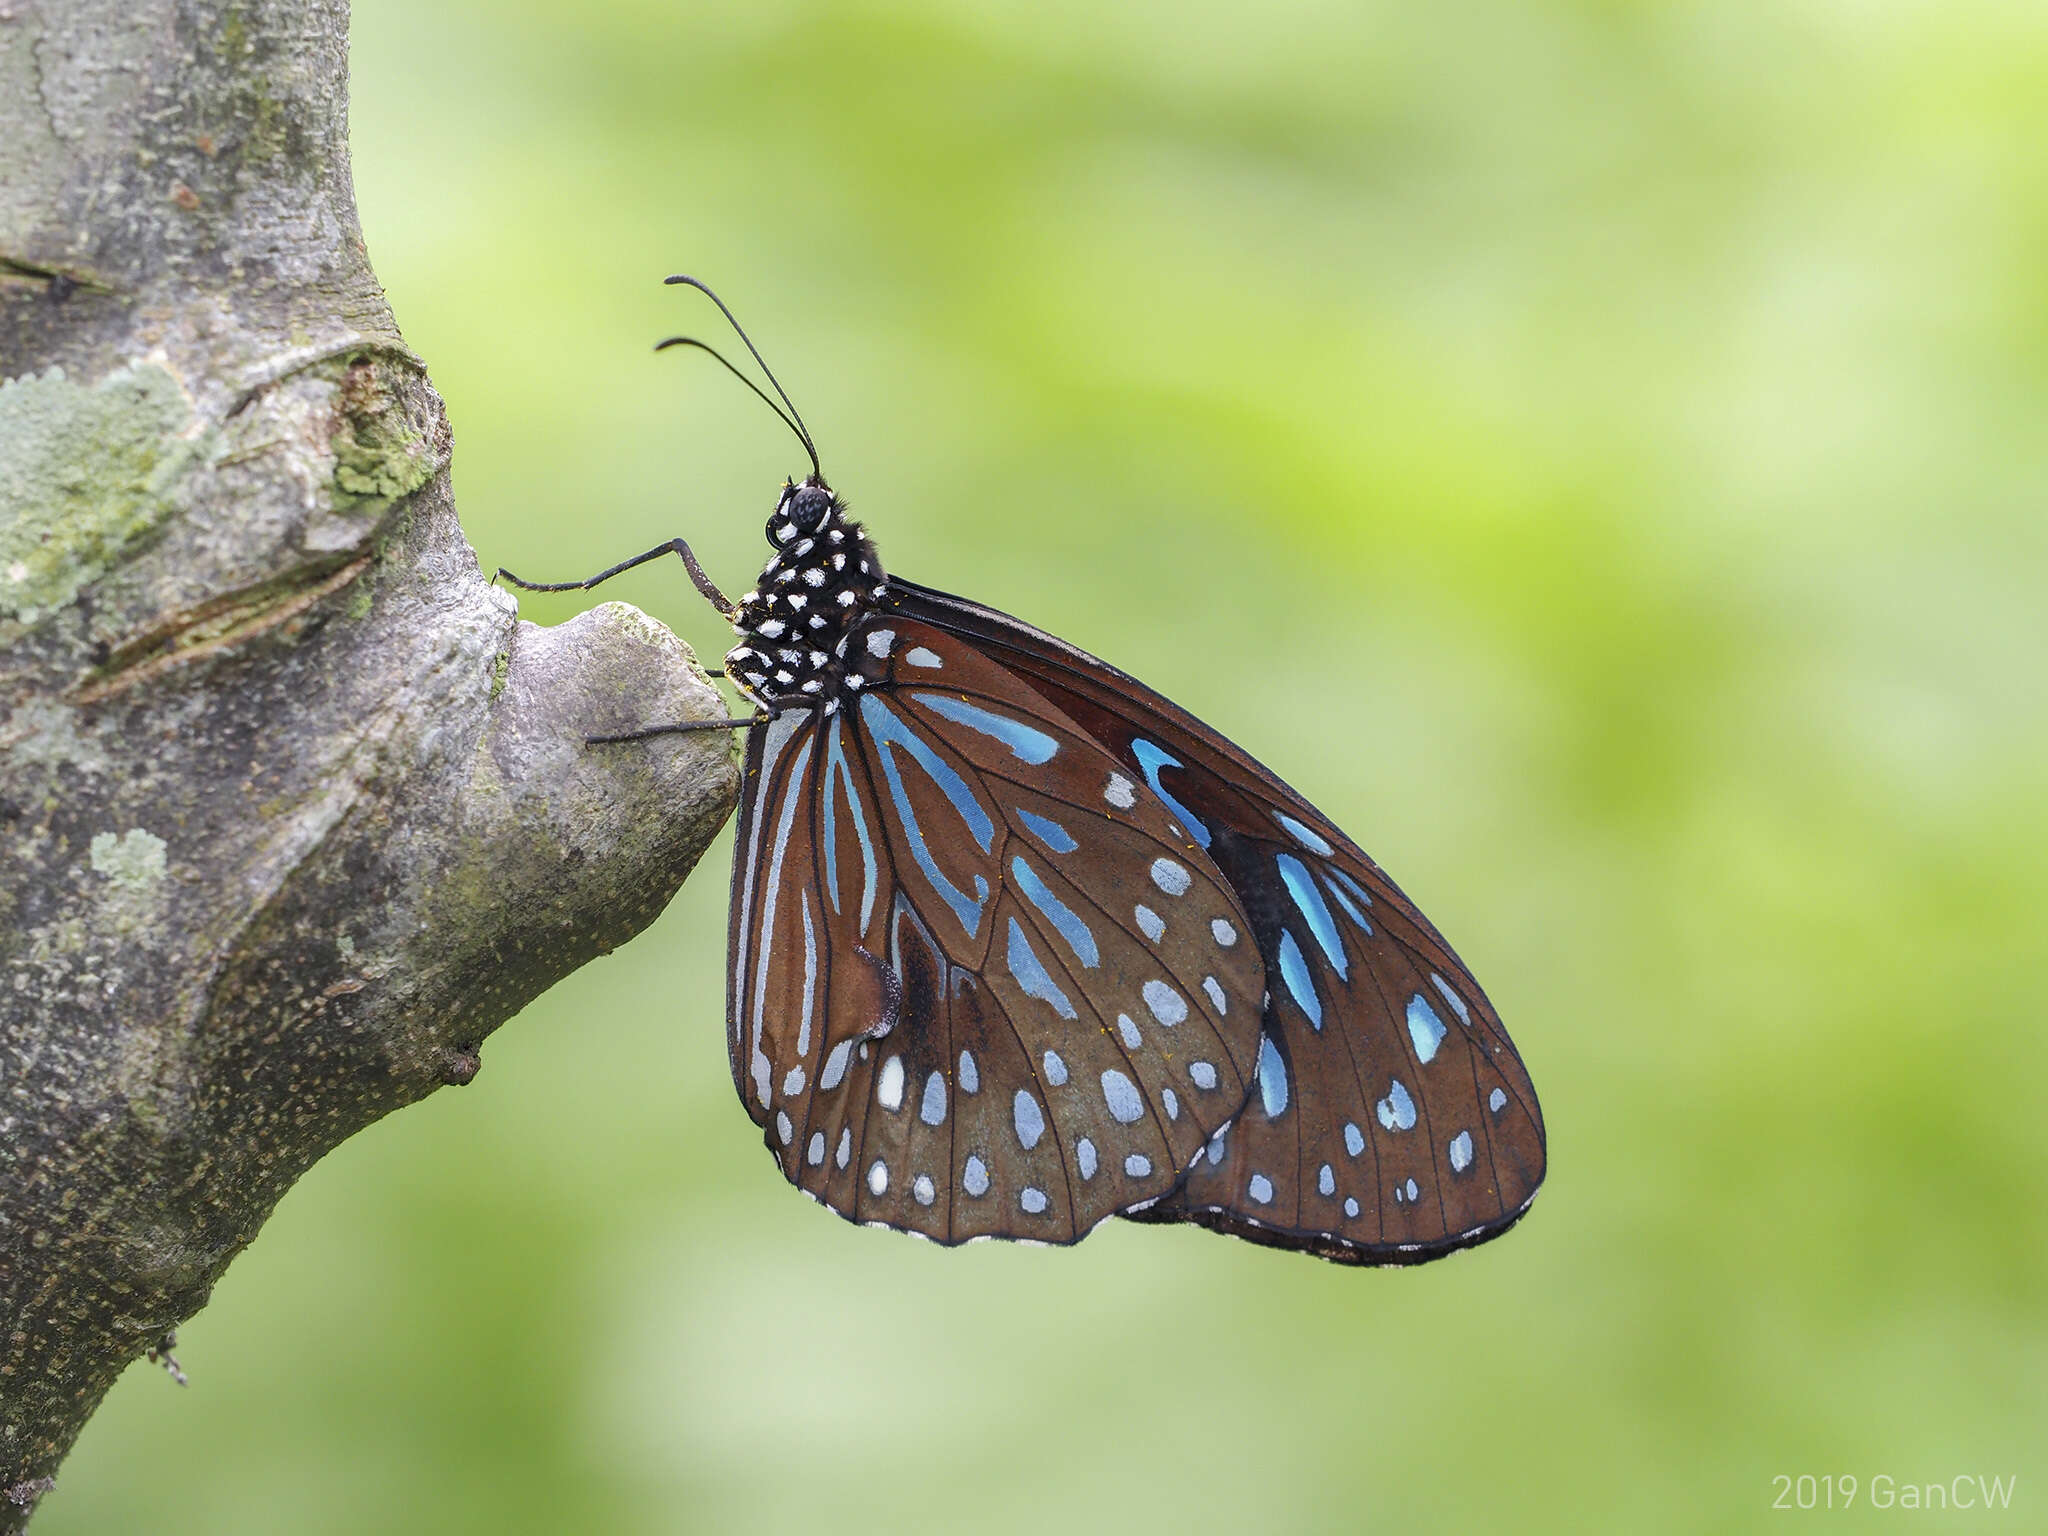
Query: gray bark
pixel 293 810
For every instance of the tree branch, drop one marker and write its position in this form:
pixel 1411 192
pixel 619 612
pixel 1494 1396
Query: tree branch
pixel 293 810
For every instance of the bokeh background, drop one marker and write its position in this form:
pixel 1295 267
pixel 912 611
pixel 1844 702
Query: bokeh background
pixel 1595 450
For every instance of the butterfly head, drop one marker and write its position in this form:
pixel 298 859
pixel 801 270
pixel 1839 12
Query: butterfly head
pixel 802 510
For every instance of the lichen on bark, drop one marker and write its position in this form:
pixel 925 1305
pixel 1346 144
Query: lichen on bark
pixel 85 471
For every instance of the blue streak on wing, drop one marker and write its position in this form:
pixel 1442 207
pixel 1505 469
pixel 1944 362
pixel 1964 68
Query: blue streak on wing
pixel 890 732
pixel 1294 971
pixel 1457 1003
pixel 1350 907
pixel 1358 892
pixel 1031 973
pixel 1062 916
pixel 772 888
pixel 1306 836
pixel 1272 1078
pixel 839 776
pixel 1026 742
pixel 1424 1028
pixel 1047 831
pixel 1315 910
pixel 831 826
pixel 1150 760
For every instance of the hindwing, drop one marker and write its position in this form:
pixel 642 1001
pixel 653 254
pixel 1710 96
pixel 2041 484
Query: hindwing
pixel 1390 1118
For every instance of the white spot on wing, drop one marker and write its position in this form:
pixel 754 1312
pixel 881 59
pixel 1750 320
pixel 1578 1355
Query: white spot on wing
pixel 1397 1109
pixel 878 1177
pixel 1170 877
pixel 1121 1095
pixel 1150 923
pixel 879 642
pixel 889 1086
pixel 1425 1029
pixel 921 657
pixel 1029 1119
pixel 1167 1005
pixel 835 1066
pixel 1121 793
pixel 1222 933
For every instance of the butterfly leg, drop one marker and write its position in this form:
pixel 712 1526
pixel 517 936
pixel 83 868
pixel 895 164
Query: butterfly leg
pixel 698 579
pixel 738 722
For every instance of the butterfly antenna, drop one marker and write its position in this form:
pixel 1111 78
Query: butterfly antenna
pixel 726 363
pixel 794 418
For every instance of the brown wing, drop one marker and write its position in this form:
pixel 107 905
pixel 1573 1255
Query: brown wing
pixel 1391 1120
pixel 982 984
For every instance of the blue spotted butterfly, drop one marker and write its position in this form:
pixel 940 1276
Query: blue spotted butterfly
pixel 1018 945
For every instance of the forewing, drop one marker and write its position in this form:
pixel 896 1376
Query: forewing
pixel 983 984
pixel 1391 1119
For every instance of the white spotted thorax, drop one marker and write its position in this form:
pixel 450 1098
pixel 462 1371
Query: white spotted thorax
pixel 795 626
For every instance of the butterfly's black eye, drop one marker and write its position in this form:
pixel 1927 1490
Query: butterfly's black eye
pixel 802 510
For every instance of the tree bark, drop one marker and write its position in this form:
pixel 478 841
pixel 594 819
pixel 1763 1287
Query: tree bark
pixel 293 810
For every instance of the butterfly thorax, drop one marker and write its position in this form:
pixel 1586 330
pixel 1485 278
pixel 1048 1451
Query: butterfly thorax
pixel 795 626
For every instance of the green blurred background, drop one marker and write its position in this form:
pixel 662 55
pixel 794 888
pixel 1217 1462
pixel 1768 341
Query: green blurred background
pixel 1595 450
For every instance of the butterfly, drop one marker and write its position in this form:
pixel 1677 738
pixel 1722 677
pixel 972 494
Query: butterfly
pixel 1017 944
